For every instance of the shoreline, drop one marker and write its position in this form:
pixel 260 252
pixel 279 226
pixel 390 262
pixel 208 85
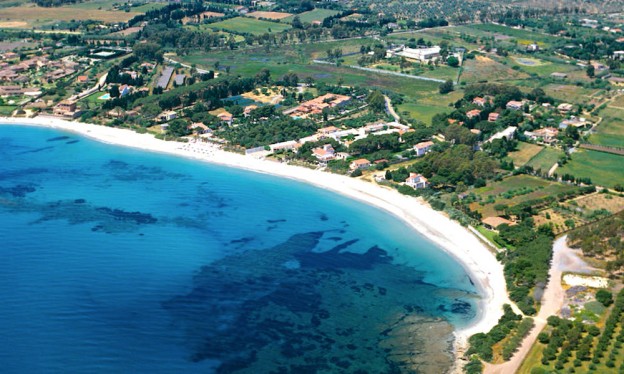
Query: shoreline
pixel 457 241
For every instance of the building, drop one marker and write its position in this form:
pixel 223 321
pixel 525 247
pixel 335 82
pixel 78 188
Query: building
pixel 565 108
pixel 423 147
pixel 316 106
pixel 416 181
pixel 560 76
pixel 324 153
pixel 167 116
pixel 514 105
pixel 473 113
pixel 509 133
pixel 547 134
pixel 493 117
pixel 618 55
pixel 124 90
pixel 226 117
pixel 66 108
pixel 284 146
pixel 325 131
pixel 248 109
pixel 82 79
pixel 493 223
pixel 199 128
pixel 573 121
pixel 420 54
pixel 361 163
pixel 533 47
pixel 480 101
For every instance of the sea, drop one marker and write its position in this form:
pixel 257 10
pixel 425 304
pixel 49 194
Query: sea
pixel 117 260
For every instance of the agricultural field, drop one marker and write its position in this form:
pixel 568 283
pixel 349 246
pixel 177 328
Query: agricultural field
pixel 610 202
pixel 604 169
pixel 543 68
pixel 34 15
pixel 485 69
pixel 313 15
pixel 96 4
pixel 425 108
pixel 570 93
pixel 514 190
pixel 245 25
pixel 269 15
pixel 559 221
pixel 610 131
pixel 525 152
pixel 545 159
pixel 504 33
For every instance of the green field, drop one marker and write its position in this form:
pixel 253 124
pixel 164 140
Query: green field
pixel 545 159
pixel 6 110
pixel 245 25
pixel 521 35
pixel 610 131
pixel 525 152
pixel 313 15
pixel 568 92
pixel 501 192
pixel 604 169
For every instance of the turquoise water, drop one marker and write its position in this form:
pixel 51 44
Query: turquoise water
pixel 122 261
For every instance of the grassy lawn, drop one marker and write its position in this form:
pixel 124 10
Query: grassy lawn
pixel 6 110
pixel 488 234
pixel 423 112
pixel 611 130
pixel 545 159
pixel 522 36
pixel 245 25
pixel 540 67
pixel 604 169
pixel 313 15
pixel 147 7
pixel 525 152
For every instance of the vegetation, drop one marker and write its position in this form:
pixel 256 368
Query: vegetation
pixel 602 240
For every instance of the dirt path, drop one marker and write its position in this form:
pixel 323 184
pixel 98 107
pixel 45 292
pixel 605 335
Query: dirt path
pixel 390 110
pixel 564 259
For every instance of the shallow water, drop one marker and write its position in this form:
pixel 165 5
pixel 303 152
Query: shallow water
pixel 117 260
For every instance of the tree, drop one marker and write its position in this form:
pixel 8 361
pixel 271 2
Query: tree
pixel 446 87
pixel 178 127
pixel 452 61
pixel 604 297
pixel 376 102
pixel 114 91
pixel 591 71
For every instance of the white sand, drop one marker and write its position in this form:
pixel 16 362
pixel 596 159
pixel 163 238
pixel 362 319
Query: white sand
pixel 485 271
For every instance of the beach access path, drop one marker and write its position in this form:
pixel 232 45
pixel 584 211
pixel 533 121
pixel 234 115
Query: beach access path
pixel 480 264
pixel 564 259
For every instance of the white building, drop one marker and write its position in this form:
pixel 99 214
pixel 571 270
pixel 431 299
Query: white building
pixel 417 181
pixel 423 147
pixel 324 153
pixel 509 133
pixel 420 54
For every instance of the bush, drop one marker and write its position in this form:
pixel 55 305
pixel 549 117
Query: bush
pixel 605 297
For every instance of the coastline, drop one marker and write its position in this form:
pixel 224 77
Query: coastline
pixel 484 270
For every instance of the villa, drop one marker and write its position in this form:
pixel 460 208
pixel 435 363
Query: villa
pixel 316 106
pixel 480 101
pixel 547 134
pixel 473 113
pixel 167 116
pixel 493 117
pixel 226 117
pixel 514 105
pixel 493 223
pixel 66 108
pixel 420 54
pixel 324 153
pixel 417 181
pixel 565 108
pixel 361 163
pixel 508 134
pixel 423 147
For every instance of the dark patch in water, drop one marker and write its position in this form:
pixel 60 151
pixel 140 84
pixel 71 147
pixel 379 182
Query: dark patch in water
pixel 344 245
pixel 247 309
pixel 80 201
pixel 124 171
pixel 334 238
pixel 19 190
pixel 323 217
pixel 461 307
pixel 244 240
pixel 72 142
pixel 58 138
pixel 121 215
pixel 275 220
pixel 36 150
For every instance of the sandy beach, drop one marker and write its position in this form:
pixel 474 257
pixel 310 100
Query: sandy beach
pixel 485 271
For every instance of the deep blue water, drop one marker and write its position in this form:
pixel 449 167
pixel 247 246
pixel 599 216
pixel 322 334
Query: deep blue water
pixel 121 261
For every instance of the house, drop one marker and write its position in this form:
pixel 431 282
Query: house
pixel 316 106
pixel 565 108
pixel 416 181
pixel 514 105
pixel 533 47
pixel 508 133
pixel 493 117
pixel 480 101
pixel 599 66
pixel 167 116
pixel 226 117
pixel 423 147
pixel 573 121
pixel 248 109
pixel 361 163
pixel 547 134
pixel 284 146
pixel 66 108
pixel 493 223
pixel 199 128
pixel 475 131
pixel 618 55
pixel 473 113
pixel 82 79
pixel 124 90
pixel 324 153
pixel 327 130
pixel 560 76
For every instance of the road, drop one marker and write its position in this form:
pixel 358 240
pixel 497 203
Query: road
pixel 564 259
pixel 390 109
pixel 174 62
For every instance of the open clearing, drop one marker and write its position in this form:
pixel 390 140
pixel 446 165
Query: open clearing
pixel 604 169
pixel 313 15
pixel 545 159
pixel 525 152
pixel 485 69
pixel 610 131
pixel 569 93
pixel 269 15
pixel 245 25
pixel 34 13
